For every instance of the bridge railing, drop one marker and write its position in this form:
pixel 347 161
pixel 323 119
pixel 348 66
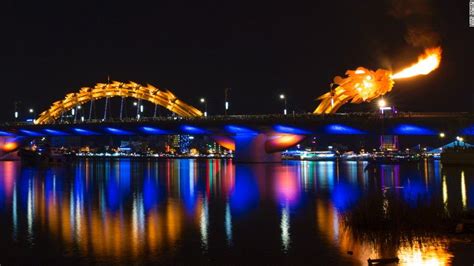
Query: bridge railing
pixel 264 117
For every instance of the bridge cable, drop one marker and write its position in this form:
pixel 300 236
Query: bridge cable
pixel 90 109
pixel 121 108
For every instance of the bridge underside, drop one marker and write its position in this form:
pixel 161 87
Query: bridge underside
pixel 259 138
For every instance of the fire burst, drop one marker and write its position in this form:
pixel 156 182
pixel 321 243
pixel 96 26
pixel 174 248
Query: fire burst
pixel 364 85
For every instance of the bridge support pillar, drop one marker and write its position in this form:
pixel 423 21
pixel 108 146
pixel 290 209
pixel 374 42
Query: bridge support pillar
pixel 250 148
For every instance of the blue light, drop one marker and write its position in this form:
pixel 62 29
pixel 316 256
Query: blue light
pixel 117 131
pixel 468 131
pixel 290 130
pixel 4 133
pixel 409 129
pixel 55 132
pixel 31 133
pixel 239 130
pixel 193 130
pixel 85 132
pixel 339 129
pixel 155 131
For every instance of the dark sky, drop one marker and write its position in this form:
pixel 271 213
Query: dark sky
pixel 198 48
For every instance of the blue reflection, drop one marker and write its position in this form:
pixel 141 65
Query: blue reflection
pixel 409 129
pixel 150 193
pixel 339 129
pixel 117 131
pixel 415 192
pixel 239 130
pixel 85 132
pixel 290 130
pixel 345 195
pixel 154 131
pixel 245 195
pixel 118 184
pixel 187 184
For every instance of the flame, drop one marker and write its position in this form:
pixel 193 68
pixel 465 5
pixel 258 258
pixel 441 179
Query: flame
pixel 364 85
pixel 427 62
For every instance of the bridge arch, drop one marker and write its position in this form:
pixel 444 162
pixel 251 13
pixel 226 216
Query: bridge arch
pixel 118 89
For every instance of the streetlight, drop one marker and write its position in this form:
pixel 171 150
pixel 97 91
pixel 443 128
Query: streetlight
pixel 442 135
pixel 226 101
pixel 282 97
pixel 31 110
pixel 16 114
pixel 382 103
pixel 203 101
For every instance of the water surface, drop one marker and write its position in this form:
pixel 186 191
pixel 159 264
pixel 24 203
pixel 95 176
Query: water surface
pixel 216 212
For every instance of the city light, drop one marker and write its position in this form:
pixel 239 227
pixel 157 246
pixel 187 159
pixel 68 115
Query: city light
pixel 282 96
pixel 31 110
pixel 458 138
pixel 442 135
pixel 203 100
pixel 141 108
pixel 135 103
pixel 16 114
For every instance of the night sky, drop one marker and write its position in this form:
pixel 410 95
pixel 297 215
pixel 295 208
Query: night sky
pixel 258 48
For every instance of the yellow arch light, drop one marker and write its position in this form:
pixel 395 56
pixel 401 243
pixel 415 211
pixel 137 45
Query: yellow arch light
pixel 118 89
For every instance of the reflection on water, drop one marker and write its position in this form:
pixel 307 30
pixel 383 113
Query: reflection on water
pixel 186 210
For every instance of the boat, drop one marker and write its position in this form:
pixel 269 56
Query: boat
pixel 389 157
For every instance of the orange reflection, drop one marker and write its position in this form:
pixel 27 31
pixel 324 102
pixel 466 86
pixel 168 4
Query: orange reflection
pixel 416 251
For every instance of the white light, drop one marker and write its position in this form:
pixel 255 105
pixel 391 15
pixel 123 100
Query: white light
pixel 72 111
pixel 284 111
pixel 203 100
pixel 227 105
pixel 79 107
pixel 442 135
pixel 82 118
pixel 16 114
pixel 382 103
pixel 138 116
pixel 141 108
pixel 31 110
pixel 282 96
pixel 205 113
pixel 135 103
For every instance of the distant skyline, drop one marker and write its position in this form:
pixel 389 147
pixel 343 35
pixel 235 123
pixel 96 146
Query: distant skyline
pixel 260 49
